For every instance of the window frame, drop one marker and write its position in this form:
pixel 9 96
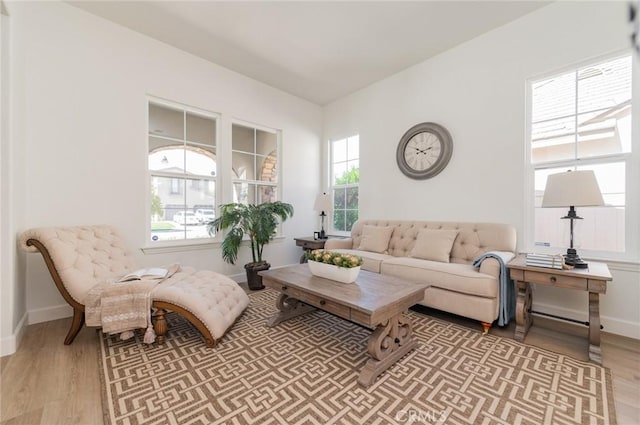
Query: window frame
pixel 256 183
pixel 630 160
pixel 179 244
pixel 331 187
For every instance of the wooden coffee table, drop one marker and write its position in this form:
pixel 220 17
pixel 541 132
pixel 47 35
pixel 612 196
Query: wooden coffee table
pixel 375 301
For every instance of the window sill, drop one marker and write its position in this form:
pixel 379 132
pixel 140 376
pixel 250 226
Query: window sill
pixel 184 246
pixel 616 264
pixel 180 246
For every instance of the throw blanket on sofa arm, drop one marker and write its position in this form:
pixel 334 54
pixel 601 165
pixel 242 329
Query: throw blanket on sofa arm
pixel 121 307
pixel 507 306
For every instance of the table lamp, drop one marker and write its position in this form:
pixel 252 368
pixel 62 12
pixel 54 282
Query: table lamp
pixel 323 203
pixel 572 189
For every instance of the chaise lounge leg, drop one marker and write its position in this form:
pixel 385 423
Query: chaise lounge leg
pixel 160 325
pixel 76 325
pixel 485 327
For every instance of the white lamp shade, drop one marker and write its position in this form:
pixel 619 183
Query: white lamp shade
pixel 323 203
pixel 572 188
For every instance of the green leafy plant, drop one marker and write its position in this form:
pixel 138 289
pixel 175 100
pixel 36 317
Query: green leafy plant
pixel 351 176
pixel 258 222
pixel 334 258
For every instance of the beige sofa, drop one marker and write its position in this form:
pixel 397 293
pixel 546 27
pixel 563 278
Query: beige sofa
pixel 441 254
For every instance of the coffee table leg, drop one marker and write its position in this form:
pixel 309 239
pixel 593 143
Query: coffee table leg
pixel 289 307
pixel 387 344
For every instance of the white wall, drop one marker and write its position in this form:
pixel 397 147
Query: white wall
pixel 77 139
pixel 81 121
pixel 477 91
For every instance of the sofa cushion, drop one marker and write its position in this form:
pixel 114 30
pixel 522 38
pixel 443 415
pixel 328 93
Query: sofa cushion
pixel 474 239
pixel 371 260
pixel 375 239
pixel 478 308
pixel 434 244
pixel 463 278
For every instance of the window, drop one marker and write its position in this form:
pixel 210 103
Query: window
pixel 182 170
pixel 580 120
pixel 255 164
pixel 345 178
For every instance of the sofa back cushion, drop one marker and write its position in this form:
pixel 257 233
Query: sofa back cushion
pixel 375 238
pixel 473 239
pixel 434 244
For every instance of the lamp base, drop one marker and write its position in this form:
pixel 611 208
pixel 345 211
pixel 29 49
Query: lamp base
pixel 572 258
pixel 322 234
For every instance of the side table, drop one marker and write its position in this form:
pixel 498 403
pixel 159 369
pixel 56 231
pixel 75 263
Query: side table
pixel 309 244
pixel 592 279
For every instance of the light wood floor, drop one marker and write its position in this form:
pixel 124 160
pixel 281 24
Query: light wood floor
pixel 46 382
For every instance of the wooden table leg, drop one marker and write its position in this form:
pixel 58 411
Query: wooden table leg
pixel 387 344
pixel 595 353
pixel 523 310
pixel 289 307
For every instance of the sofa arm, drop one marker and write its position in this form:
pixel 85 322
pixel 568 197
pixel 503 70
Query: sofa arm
pixel 346 243
pixel 490 266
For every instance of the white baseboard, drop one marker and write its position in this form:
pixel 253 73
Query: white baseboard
pixel 620 327
pixel 240 277
pixel 610 324
pixel 10 344
pixel 50 313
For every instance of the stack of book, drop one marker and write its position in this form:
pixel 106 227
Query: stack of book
pixel 545 260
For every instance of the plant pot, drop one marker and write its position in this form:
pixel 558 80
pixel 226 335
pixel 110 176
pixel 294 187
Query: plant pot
pixel 254 280
pixel 329 271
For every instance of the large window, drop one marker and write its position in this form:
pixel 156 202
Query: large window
pixel 581 120
pixel 345 178
pixel 182 170
pixel 255 164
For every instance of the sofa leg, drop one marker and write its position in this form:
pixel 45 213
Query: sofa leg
pixel 485 327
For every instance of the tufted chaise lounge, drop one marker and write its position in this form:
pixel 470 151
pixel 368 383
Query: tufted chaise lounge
pixel 80 257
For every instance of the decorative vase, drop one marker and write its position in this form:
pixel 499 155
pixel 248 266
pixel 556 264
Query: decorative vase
pixel 329 271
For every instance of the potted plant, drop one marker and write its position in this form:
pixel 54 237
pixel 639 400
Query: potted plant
pixel 259 223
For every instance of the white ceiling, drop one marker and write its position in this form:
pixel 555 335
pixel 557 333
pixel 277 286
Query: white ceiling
pixel 319 51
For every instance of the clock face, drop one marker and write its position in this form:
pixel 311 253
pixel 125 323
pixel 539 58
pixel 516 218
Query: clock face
pixel 424 150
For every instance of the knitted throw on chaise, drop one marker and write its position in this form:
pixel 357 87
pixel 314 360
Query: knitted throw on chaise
pixel 121 307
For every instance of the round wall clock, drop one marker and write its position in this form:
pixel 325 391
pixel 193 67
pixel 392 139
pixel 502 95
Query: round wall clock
pixel 424 150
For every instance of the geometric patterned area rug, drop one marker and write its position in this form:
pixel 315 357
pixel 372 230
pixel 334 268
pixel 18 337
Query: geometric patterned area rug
pixel 304 371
